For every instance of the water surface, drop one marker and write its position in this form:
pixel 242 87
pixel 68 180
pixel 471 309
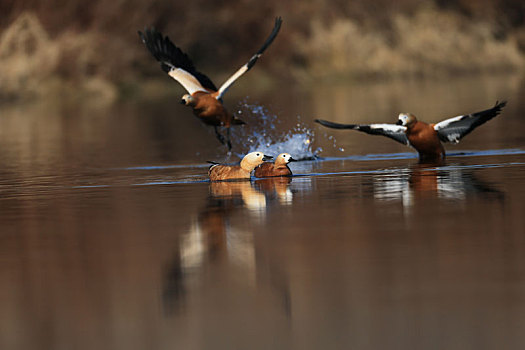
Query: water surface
pixel 112 237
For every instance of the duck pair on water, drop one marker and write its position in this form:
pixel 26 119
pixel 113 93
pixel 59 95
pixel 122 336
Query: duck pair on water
pixel 206 101
pixel 252 161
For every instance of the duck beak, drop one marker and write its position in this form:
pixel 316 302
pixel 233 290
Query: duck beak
pixel 265 158
pixel 399 122
pixel 292 160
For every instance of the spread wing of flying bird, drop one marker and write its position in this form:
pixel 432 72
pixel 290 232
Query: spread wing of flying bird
pixel 179 66
pixel 226 85
pixel 175 62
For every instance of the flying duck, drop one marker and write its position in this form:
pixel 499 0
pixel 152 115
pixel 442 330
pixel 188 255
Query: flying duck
pixel 202 96
pixel 425 138
pixel 279 168
pixel 218 172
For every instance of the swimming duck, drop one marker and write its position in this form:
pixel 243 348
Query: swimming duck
pixel 425 138
pixel 218 172
pixel 279 168
pixel 203 96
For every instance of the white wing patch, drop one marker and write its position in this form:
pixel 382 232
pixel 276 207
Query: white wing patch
pixel 445 123
pixel 454 129
pixel 390 127
pixel 454 132
pixel 395 132
pixel 188 81
pixel 226 85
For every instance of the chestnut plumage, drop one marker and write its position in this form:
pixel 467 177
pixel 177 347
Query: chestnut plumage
pixel 219 172
pixel 279 168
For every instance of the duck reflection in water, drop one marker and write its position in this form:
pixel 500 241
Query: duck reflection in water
pixel 221 234
pixel 276 188
pixel 425 180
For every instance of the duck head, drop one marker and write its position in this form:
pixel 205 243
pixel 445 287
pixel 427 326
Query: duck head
pixel 406 119
pixel 188 100
pixel 283 159
pixel 253 159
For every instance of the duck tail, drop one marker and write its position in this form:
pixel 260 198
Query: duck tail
pixel 237 121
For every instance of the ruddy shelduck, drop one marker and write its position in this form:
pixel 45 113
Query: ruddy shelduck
pixel 425 138
pixel 202 96
pixel 279 168
pixel 219 172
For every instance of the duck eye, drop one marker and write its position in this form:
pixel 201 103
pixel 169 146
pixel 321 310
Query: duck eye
pixel 258 154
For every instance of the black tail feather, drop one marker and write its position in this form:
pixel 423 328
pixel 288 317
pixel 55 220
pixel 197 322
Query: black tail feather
pixel 237 121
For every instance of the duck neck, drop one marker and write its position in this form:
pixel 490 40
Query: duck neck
pixel 414 127
pixel 247 165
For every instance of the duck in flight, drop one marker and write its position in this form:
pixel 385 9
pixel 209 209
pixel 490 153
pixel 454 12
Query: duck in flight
pixel 203 96
pixel 425 138
pixel 279 168
pixel 219 172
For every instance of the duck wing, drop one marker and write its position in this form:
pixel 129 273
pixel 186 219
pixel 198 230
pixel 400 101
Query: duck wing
pixel 175 62
pixel 393 131
pixel 453 129
pixel 226 85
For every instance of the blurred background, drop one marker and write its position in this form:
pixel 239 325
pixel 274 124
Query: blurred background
pixel 91 48
pixel 112 237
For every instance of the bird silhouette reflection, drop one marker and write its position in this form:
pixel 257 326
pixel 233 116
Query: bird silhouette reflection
pixel 220 235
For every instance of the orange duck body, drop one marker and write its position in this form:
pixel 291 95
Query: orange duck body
pixel 279 168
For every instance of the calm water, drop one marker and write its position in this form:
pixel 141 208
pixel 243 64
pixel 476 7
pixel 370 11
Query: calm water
pixel 112 237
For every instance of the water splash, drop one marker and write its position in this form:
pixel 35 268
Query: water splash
pixel 263 133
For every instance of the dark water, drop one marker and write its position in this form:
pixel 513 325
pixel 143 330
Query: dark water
pixel 112 238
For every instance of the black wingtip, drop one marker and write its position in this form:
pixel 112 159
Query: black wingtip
pixel 500 105
pixel 170 56
pixel 333 125
pixel 271 37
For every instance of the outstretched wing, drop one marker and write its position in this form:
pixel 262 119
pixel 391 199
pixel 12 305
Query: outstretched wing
pixel 453 129
pixel 393 131
pixel 224 87
pixel 175 62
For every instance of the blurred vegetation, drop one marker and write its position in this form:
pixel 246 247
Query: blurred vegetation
pixel 92 47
